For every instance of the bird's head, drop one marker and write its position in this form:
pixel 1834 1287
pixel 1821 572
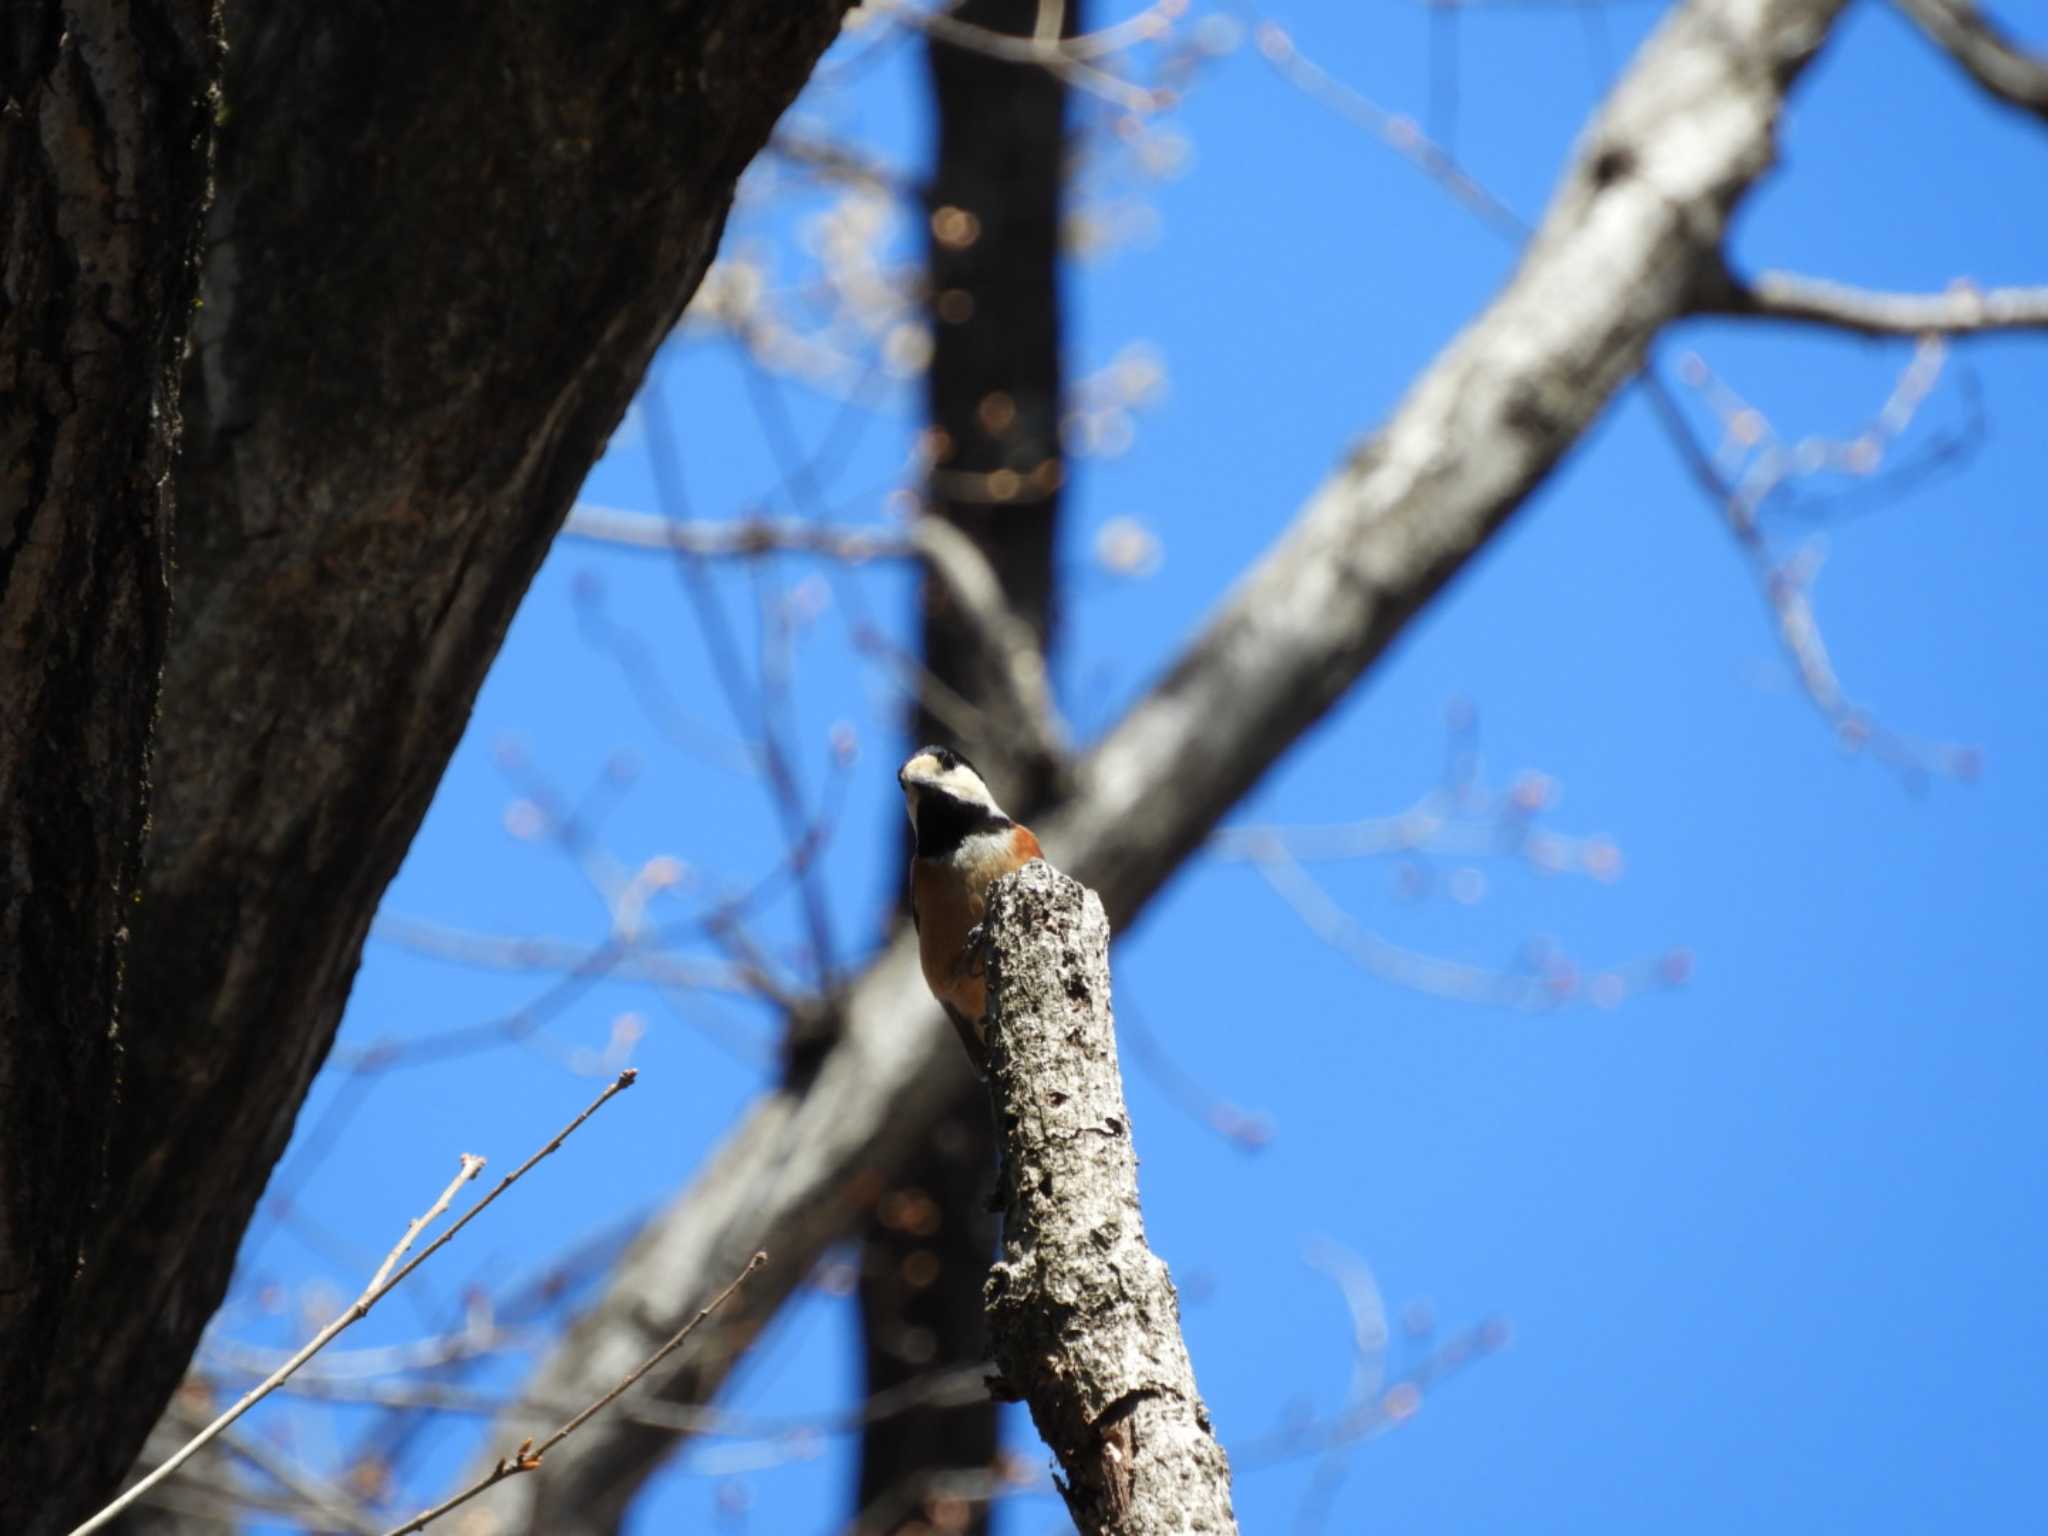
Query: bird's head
pixel 942 772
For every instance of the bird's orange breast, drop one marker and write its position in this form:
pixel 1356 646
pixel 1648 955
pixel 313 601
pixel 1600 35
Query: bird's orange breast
pixel 948 907
pixel 949 896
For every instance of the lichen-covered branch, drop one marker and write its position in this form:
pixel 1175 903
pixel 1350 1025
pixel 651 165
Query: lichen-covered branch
pixel 1083 1318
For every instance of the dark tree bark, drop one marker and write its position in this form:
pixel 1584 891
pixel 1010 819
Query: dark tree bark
pixel 445 245
pixel 995 389
pixel 924 1255
pixel 994 394
pixel 105 130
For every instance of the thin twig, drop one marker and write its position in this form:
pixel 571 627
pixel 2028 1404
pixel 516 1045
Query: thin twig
pixel 528 1457
pixel 330 1504
pixel 542 952
pixel 1757 467
pixel 750 536
pixel 1553 984
pixel 372 1293
pixel 946 1387
pixel 1069 58
pixel 1387 1409
pixel 1043 46
pixel 387 1279
pixel 471 1342
pixel 745 703
pixel 1398 132
pixel 830 160
pixel 472 1165
pixel 1964 309
pixel 1027 706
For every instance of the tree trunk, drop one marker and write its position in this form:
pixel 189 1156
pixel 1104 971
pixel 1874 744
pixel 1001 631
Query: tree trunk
pixel 445 246
pixel 105 133
pixel 994 396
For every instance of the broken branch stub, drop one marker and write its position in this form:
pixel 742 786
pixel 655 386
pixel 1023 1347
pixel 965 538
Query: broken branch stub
pixel 1083 1319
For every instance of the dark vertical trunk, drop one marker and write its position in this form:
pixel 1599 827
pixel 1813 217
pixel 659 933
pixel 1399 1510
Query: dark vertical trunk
pixel 104 137
pixel 994 402
pixel 446 242
pixel 994 389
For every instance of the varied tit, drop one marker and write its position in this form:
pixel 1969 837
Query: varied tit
pixel 964 845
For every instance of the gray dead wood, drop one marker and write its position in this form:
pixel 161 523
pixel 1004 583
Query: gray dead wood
pixel 1084 1321
pixel 1632 236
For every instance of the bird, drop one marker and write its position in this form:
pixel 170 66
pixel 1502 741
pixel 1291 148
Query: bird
pixel 964 845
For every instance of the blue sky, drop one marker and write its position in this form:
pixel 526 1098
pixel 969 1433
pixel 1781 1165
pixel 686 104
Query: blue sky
pixel 1768 1244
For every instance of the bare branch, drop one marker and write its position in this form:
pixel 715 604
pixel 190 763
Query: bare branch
pixel 1744 486
pixel 831 160
pixel 1045 46
pixel 745 536
pixel 1633 231
pixel 387 1279
pixel 1400 133
pixel 471 1342
pixel 1027 706
pixel 1964 309
pixel 947 1387
pixel 330 1504
pixel 528 1457
pixel 1986 54
pixel 379 1284
pixel 1546 986
pixel 539 952
pixel 1084 1321
pixel 1071 59
pixel 747 705
pixel 1390 1407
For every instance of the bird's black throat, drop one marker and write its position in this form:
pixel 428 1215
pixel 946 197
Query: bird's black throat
pixel 945 822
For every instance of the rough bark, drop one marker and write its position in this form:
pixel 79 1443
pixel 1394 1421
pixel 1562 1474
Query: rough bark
pixel 106 121
pixel 994 393
pixel 1634 230
pixel 445 246
pixel 1083 1316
